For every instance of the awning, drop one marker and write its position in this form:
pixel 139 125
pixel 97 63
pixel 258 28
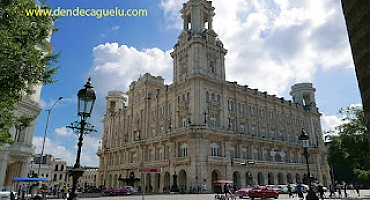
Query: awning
pixel 26 179
pixel 222 182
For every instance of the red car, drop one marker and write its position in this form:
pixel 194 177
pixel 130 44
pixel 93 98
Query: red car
pixel 263 192
pixel 116 191
pixel 243 192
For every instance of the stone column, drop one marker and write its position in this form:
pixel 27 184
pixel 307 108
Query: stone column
pixel 3 167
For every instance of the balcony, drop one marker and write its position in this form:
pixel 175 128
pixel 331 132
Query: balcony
pixel 21 149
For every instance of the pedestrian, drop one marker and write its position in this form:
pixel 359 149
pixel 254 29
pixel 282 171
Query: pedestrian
pixel 332 190
pixel 65 191
pixel 59 191
pixel 290 192
pixel 357 188
pixel 299 191
pixel 24 190
pixel 339 190
pixel 345 188
pixel 320 189
pixel 12 196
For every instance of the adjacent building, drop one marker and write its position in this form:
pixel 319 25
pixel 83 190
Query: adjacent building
pixel 357 14
pixel 202 128
pixel 15 158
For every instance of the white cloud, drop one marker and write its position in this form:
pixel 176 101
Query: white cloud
pixel 114 28
pixel 329 122
pixel 280 42
pixel 115 67
pixel 63 131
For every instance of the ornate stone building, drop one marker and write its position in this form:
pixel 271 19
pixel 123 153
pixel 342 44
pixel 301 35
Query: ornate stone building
pixel 15 158
pixel 202 128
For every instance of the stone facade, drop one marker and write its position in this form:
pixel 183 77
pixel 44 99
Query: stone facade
pixel 357 13
pixel 202 128
pixel 15 158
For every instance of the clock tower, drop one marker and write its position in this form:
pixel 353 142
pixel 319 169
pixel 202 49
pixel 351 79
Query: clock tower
pixel 198 51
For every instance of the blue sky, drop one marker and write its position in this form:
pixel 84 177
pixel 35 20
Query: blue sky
pixel 272 45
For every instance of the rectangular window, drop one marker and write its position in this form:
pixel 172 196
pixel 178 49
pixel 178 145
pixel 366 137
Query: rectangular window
pixel 213 121
pixel 266 155
pixel 253 130
pixel 263 132
pixel 256 154
pixel 242 129
pixel 252 111
pixel 245 153
pixel 263 114
pixel 183 122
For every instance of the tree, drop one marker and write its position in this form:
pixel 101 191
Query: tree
pixel 23 59
pixel 348 151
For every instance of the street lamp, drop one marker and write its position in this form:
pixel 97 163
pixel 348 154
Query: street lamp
pixel 305 144
pixel 46 130
pixel 86 99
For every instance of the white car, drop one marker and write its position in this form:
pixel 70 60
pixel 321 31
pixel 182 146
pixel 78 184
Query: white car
pixel 132 189
pixel 5 195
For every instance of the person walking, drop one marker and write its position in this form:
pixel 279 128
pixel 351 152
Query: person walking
pixel 357 188
pixel 339 188
pixel 332 191
pixel 24 191
pixel 320 189
pixel 65 191
pixel 290 192
pixel 345 188
pixel 299 191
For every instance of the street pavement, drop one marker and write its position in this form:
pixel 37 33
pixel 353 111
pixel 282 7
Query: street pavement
pixel 364 194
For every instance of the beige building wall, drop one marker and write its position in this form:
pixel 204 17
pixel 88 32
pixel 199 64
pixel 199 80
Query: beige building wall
pixel 202 128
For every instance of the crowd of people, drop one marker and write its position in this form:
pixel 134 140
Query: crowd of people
pixel 336 190
pixel 39 192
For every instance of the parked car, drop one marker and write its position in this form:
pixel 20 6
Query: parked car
pixel 275 187
pixel 131 189
pixel 282 189
pixel 243 192
pixel 116 191
pixel 263 192
pixel 5 195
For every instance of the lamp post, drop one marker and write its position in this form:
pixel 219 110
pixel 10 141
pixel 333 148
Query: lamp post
pixel 46 130
pixel 86 99
pixel 174 187
pixel 305 144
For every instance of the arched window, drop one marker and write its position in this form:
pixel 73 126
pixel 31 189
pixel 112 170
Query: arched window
pixel 207 97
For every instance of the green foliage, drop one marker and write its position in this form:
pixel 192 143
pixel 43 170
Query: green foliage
pixel 23 63
pixel 348 152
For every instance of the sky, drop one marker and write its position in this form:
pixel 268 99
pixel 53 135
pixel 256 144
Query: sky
pixel 272 44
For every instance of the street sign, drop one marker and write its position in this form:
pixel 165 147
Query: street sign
pixel 150 170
